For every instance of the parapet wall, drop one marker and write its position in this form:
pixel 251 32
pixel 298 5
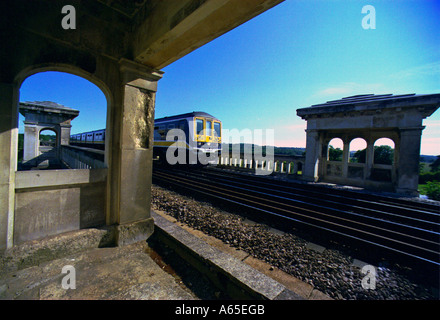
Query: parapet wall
pixel 49 202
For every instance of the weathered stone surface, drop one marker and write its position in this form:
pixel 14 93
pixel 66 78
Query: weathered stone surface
pixel 129 233
pixel 49 202
pixel 35 252
pixel 119 273
pixel 238 279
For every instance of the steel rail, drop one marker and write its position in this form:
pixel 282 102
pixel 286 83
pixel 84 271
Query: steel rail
pixel 351 195
pixel 190 185
pixel 246 195
pixel 367 210
pixel 336 211
pixel 327 194
pixel 379 199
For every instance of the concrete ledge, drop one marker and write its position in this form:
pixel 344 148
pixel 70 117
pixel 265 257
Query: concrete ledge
pixel 238 279
pixel 35 252
pixel 129 233
pixel 56 178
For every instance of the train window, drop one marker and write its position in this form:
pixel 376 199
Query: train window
pixel 199 126
pixel 181 125
pixel 171 126
pixel 161 131
pixel 217 129
pixel 208 128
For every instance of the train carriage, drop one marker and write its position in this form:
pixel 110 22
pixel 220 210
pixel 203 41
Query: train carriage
pixel 199 137
pixel 93 139
pixel 201 133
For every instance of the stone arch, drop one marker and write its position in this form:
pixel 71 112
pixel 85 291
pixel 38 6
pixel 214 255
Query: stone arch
pixel 53 130
pixel 383 163
pixel 333 154
pixel 44 115
pixel 358 144
pixel 67 68
pixel 384 141
pixel 370 116
pixel 299 168
pixel 122 83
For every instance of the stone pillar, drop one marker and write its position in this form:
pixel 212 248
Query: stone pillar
pixel 136 150
pixel 409 154
pixel 31 141
pixel 369 158
pixel 8 160
pixel 345 157
pixel 313 154
pixel 64 135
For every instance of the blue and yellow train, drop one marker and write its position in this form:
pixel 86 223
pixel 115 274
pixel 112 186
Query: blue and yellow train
pixel 92 139
pixel 202 134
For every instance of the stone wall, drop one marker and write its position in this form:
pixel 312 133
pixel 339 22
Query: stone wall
pixel 55 201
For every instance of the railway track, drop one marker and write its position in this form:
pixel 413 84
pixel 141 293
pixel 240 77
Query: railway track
pixel 405 228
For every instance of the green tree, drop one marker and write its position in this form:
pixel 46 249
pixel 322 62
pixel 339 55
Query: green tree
pixel 436 164
pixel 359 156
pixel 433 190
pixel 334 154
pixel 383 155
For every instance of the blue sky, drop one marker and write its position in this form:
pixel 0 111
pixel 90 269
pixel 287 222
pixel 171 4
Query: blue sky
pixel 297 54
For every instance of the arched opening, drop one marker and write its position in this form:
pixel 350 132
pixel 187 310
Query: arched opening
pixel 291 167
pixel 47 138
pixel 357 151
pixel 384 151
pixel 356 159
pixel 47 104
pixel 383 160
pixel 67 92
pixel 335 152
pixel 335 149
pixel 299 168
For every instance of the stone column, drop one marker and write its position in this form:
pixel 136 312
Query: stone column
pixel 409 155
pixel 31 141
pixel 64 134
pixel 313 153
pixel 369 158
pixel 8 160
pixel 136 150
pixel 345 157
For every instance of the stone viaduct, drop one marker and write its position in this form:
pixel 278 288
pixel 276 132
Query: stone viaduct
pixel 120 46
pixel 45 115
pixel 369 117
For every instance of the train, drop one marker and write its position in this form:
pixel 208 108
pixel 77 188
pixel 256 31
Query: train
pixel 94 139
pixel 199 138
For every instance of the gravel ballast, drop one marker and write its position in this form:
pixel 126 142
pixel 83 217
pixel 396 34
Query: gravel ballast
pixel 330 271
